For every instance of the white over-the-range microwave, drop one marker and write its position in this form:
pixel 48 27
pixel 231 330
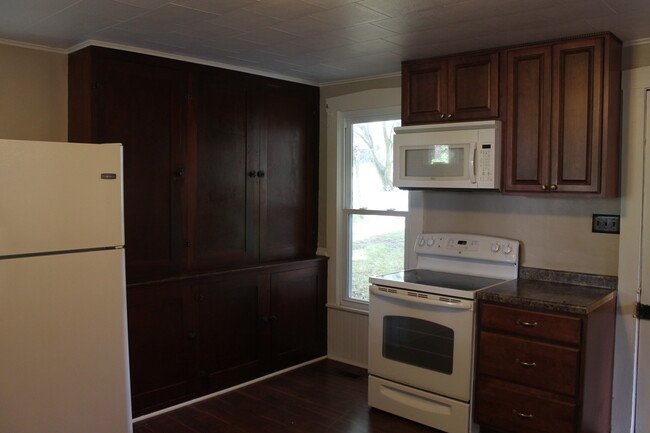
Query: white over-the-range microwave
pixel 448 156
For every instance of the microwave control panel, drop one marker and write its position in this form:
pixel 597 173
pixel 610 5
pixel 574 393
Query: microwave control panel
pixel 485 155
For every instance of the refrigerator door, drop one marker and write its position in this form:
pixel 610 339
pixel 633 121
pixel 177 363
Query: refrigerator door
pixel 59 196
pixel 63 350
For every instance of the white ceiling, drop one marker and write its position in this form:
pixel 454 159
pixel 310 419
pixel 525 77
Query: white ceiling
pixel 315 41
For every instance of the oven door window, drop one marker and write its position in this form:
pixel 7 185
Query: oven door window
pixel 419 342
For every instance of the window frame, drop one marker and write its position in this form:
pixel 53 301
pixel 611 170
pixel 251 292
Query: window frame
pixel 346 210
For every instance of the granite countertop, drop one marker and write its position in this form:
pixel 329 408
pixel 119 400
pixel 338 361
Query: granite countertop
pixel 558 296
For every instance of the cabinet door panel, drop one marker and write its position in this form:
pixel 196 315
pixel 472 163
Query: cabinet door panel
pixel 284 127
pixel 577 109
pixel 528 128
pixel 474 87
pixel 159 349
pixel 142 107
pixel 228 329
pixel 298 304
pixel 220 197
pixel 424 92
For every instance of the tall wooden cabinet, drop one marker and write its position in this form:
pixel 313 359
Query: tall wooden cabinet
pixel 562 125
pixel 220 183
pixel 220 167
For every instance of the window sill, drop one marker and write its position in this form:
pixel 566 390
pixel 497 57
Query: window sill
pixel 347 309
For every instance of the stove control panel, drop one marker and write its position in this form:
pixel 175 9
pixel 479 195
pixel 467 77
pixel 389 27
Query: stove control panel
pixel 470 246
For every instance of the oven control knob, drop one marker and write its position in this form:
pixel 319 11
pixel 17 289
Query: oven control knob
pixel 495 248
pixel 429 242
pixel 421 242
pixel 507 249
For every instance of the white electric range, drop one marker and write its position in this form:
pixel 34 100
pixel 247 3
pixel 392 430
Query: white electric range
pixel 422 327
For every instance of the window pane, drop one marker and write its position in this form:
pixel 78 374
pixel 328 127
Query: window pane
pixel 372 167
pixel 377 247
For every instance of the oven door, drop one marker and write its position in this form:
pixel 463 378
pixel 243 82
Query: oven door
pixel 422 340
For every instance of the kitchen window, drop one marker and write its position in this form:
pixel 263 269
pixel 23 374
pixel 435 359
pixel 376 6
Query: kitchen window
pixel 374 211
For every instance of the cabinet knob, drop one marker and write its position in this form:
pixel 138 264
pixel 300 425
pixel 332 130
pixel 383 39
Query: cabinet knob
pixel 252 173
pixel 179 172
pixel 553 187
pixel 260 174
pixel 191 336
pixel 544 187
pixel 442 115
pixel 449 116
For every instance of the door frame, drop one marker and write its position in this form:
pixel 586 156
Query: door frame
pixel 642 400
pixel 635 84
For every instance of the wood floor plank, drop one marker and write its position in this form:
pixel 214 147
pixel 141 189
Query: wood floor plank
pixel 324 397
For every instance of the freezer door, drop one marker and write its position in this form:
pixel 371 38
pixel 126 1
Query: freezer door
pixel 63 345
pixel 59 196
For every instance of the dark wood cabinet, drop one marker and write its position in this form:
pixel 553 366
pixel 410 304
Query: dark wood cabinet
pixel 227 321
pixel 220 202
pixel 297 317
pixel 283 129
pixel 199 335
pixel 450 89
pixel 541 371
pixel 220 167
pixel 118 97
pixel 562 123
pixel 161 345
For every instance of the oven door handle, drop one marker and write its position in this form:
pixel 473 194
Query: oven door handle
pixel 457 304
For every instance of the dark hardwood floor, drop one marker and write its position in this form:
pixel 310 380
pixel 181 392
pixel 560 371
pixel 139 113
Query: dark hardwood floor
pixel 324 397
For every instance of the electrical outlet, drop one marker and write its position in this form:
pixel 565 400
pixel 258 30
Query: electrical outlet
pixel 606 224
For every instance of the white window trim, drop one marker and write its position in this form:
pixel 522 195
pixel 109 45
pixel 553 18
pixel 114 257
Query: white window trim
pixel 371 102
pixel 345 235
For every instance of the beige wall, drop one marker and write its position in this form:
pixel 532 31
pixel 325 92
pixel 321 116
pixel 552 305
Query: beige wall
pixel 555 232
pixel 33 94
pixel 636 56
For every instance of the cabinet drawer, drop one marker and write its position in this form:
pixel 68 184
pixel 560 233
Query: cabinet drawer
pixel 534 324
pixel 543 365
pixel 517 409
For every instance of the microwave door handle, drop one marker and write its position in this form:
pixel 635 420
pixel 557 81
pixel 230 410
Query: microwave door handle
pixel 458 305
pixel 472 162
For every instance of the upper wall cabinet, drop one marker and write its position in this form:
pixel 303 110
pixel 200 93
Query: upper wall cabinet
pixel 562 124
pixel 220 167
pixel 450 89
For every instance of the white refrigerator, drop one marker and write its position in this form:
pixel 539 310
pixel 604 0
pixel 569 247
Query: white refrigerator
pixel 63 338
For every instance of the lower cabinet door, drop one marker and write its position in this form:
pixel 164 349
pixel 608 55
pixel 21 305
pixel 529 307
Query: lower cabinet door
pixel 515 409
pixel 228 324
pixel 297 315
pixel 160 346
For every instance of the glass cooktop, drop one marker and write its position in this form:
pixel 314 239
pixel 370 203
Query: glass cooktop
pixel 443 283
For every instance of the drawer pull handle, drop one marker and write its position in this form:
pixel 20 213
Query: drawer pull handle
pixel 526 364
pixel 527 324
pixel 522 415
